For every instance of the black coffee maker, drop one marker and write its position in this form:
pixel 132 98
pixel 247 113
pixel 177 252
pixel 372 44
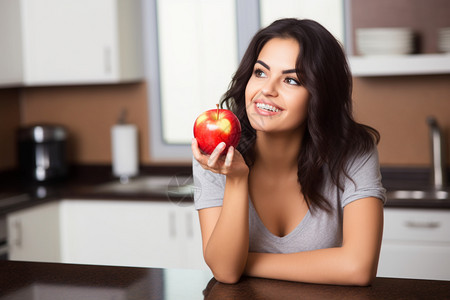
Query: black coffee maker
pixel 42 152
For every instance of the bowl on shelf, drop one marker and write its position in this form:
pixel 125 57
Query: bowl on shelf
pixel 444 39
pixel 385 41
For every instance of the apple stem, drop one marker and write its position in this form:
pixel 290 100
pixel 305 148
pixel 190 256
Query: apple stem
pixel 217 105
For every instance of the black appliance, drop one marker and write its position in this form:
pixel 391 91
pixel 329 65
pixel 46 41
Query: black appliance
pixel 42 152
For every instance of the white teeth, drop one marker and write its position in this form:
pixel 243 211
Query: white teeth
pixel 267 107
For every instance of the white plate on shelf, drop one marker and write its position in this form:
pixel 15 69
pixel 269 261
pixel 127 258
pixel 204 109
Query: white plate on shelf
pixel 385 41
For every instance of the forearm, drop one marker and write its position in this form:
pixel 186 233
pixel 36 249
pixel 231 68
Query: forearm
pixel 325 266
pixel 227 248
pixel 355 263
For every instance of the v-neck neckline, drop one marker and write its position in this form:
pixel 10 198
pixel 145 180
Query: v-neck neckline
pixel 270 233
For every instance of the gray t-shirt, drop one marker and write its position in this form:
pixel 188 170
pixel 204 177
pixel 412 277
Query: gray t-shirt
pixel 318 229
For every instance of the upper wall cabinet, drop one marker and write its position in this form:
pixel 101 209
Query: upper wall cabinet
pixel 399 65
pixel 425 52
pixel 58 42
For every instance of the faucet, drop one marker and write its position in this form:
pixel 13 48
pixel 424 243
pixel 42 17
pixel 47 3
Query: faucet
pixel 438 175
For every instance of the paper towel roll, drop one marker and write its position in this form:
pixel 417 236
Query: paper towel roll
pixel 124 150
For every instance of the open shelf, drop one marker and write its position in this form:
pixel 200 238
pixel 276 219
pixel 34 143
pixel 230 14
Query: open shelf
pixel 396 65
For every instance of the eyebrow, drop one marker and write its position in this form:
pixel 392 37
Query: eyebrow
pixel 268 68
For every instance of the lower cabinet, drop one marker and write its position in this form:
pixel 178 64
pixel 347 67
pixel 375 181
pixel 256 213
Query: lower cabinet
pixel 34 234
pixel 109 232
pixel 416 244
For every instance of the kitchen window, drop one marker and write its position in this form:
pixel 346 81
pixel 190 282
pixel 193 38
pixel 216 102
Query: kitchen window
pixel 193 48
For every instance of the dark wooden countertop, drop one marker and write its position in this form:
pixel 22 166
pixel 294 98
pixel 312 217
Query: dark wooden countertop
pixel 83 180
pixel 30 280
pixel 82 183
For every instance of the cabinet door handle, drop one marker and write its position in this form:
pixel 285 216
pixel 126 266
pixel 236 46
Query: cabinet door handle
pixel 18 238
pixel 172 225
pixel 107 59
pixel 189 225
pixel 423 224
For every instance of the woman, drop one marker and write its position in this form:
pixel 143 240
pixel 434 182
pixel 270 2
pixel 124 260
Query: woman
pixel 300 198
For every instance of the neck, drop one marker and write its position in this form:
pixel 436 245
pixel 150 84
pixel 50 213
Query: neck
pixel 278 152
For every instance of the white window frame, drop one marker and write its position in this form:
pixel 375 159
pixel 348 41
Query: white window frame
pixel 248 23
pixel 160 151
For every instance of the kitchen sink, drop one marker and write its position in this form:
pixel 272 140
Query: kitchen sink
pixel 426 198
pixel 419 194
pixel 161 185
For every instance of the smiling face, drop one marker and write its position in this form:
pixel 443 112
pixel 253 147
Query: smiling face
pixel 275 99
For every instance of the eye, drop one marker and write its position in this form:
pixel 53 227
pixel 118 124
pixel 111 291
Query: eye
pixel 291 81
pixel 259 73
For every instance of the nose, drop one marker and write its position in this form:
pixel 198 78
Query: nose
pixel 270 88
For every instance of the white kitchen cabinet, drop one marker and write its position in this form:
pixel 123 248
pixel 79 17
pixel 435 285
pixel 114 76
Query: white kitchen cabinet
pixel 55 42
pixel 108 232
pixel 34 233
pixel 396 65
pixel 399 65
pixel 130 233
pixel 416 244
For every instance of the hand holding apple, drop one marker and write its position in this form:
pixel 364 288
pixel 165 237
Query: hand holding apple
pixel 215 126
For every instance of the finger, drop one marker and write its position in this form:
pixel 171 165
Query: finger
pixel 201 158
pixel 195 150
pixel 215 154
pixel 229 158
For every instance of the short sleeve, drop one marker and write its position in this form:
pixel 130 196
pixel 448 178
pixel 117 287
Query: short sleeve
pixel 209 187
pixel 365 175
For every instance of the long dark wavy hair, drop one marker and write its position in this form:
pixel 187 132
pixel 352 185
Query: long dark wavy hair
pixel 332 137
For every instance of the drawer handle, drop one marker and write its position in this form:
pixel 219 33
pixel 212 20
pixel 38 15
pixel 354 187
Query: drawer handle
pixel 18 238
pixel 423 224
pixel 189 225
pixel 107 59
pixel 172 225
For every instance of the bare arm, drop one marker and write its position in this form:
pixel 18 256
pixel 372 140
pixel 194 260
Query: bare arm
pixel 355 263
pixel 225 229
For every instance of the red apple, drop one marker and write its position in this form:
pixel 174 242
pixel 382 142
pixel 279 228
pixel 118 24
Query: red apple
pixel 215 126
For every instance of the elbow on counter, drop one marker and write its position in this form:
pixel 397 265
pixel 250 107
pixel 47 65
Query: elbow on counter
pixel 225 272
pixel 362 280
pixel 227 278
pixel 361 275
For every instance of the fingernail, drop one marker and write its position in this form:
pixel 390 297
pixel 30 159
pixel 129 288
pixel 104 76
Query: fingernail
pixel 193 140
pixel 222 145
